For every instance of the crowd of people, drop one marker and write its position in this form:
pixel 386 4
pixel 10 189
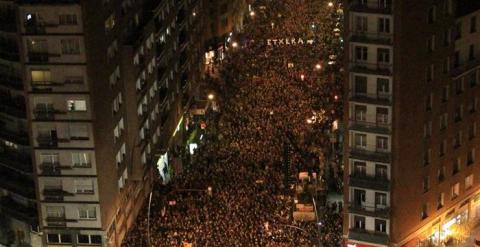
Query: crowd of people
pixel 234 192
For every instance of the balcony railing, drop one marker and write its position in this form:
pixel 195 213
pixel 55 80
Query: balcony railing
pixel 371 153
pixel 376 127
pixel 370 7
pixel 58 221
pixel 38 27
pixel 367 37
pixel 464 67
pixel 372 68
pixel 381 211
pixel 40 57
pixel 368 236
pixel 47 141
pixel 370 182
pixel 53 168
pixel 374 98
pixel 46 113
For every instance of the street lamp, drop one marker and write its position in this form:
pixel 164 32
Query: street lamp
pixel 330 4
pixel 234 44
pixel 211 96
pixel 252 13
pixel 318 66
pixel 302 77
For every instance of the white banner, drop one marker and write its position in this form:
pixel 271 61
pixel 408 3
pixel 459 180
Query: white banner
pixel 289 41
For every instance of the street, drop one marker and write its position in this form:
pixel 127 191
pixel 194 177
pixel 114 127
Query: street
pixel 258 176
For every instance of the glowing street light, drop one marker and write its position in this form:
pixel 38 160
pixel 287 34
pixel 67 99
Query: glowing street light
pixel 318 66
pixel 234 44
pixel 330 4
pixel 211 96
pixel 309 121
pixel 336 97
pixel 252 13
pixel 302 77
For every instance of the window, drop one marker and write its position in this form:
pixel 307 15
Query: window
pixel 383 25
pixel 446 65
pixel 89 239
pixel 473 24
pixel 457 140
pixel 380 200
pixel 59 238
pixel 448 7
pixel 55 212
pixel 70 46
pixel 110 23
pixel 473 79
pixel 383 88
pixel 361 23
pixel 382 143
pixel 429 102
pixel 445 93
pixel 41 77
pixel 49 158
pixel 443 121
pixel 87 213
pixel 471 156
pixel 382 116
pixel 473 105
pixel 380 225
pixel 67 19
pixel 361 53
pixel 381 172
pixel 456 59
pixel 456 165
pixel 383 55
pixel 472 131
pixel 441 174
pixel 469 181
pixel 360 85
pixel 76 105
pixel 458 31
pixel 359 222
pixel 427 157
pixel 359 168
pixel 431 43
pixel 443 148
pixel 455 191
pixel 431 15
pixel 440 200
pixel 427 129
pixel 447 37
pixel 471 52
pixel 426 184
pixel 424 213
pixel 430 72
pixel 359 197
pixel 458 114
pixel 112 49
pixel 83 186
pixel 360 113
pixel 360 140
pixel 80 160
pixel 78 132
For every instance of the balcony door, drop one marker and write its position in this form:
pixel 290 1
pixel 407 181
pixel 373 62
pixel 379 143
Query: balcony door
pixel 360 85
pixel 359 197
pixel 359 168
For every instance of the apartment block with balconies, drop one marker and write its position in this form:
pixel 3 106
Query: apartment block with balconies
pixel 412 80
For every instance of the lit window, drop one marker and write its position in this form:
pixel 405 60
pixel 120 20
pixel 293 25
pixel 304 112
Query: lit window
pixel 84 186
pixel 76 105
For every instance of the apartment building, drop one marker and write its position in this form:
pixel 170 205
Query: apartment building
pixel 411 172
pixel 18 215
pixel 93 99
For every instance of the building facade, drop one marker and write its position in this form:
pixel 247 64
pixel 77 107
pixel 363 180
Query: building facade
pixel 411 172
pixel 94 99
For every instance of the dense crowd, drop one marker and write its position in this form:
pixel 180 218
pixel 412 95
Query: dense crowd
pixel 271 97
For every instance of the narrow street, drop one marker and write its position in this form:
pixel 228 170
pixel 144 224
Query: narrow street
pixel 258 177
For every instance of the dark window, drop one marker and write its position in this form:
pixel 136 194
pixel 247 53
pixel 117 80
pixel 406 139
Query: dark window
pixel 380 225
pixel 471 52
pixel 359 222
pixel 473 24
pixel 53 238
pixel 381 171
pixel 360 85
pixel 83 239
pixel 360 168
pixel 96 239
pixel 431 15
pixel 66 238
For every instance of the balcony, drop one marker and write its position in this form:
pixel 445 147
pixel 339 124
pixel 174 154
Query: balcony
pixel 21 163
pixel 465 67
pixel 46 113
pixel 370 210
pixel 17 210
pixel 371 68
pixel 40 57
pixel 58 221
pixel 368 236
pixel 13 106
pixel 370 182
pixel 371 6
pixel 35 27
pixel 371 153
pixel 371 98
pixel 373 38
pixel 15 183
pixel 47 141
pixel 373 127
pixel 11 81
pixel 55 194
pixel 52 169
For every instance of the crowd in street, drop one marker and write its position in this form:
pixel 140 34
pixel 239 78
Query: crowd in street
pixel 234 192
